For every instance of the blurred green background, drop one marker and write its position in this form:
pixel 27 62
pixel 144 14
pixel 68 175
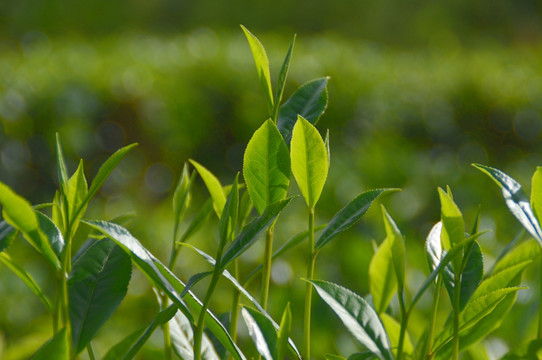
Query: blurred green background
pixel 418 91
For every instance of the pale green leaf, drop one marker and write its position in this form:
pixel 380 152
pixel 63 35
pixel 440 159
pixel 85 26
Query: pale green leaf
pixel 453 226
pixel 182 339
pixel 266 166
pixel 536 193
pixel 393 329
pixel 284 332
pixel 398 251
pixel 182 197
pixel 262 332
pixel 228 219
pixel 262 66
pixel 382 278
pixel 308 101
pixel 51 232
pixel 77 194
pixel 213 186
pixel 358 317
pixel 309 160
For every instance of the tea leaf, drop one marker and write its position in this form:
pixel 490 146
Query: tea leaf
pixel 18 213
pixel 214 187
pixel 398 252
pixel 266 166
pixel 97 284
pixel 536 193
pixel 309 160
pixel 526 251
pixel 7 235
pixel 119 350
pixel 249 234
pixel 433 247
pixel 515 199
pixel 194 279
pixel 262 332
pixel 165 280
pixel 284 332
pixel 53 234
pixel 334 357
pixel 26 278
pixel 308 101
pixel 182 197
pixel 349 215
pixel 228 219
pixel 105 170
pixel 262 66
pixel 61 168
pixel 382 278
pixel 358 317
pixel 453 225
pixel 77 194
pixel 393 329
pixel 282 79
pixel 56 348
pixel 182 336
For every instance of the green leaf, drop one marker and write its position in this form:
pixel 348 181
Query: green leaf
pixel 326 143
pixel 262 332
pixel 309 160
pixel 266 166
pixel 214 187
pixel 245 208
pixel 77 194
pixel 198 221
pixel 515 199
pixel 61 168
pixel 182 336
pixel 163 279
pixel 18 213
pixel 393 329
pixel 358 317
pixel 7 235
pixel 249 234
pixel 51 232
pixel 433 246
pixel 26 278
pixel 349 215
pixel 228 219
pixel 129 346
pixel 526 251
pixel 262 66
pixel 284 332
pixel 105 170
pixel 97 284
pixel 453 226
pixel 182 197
pixel 334 357
pixel 536 193
pixel 282 79
pixel 308 101
pixel 56 348
pixel 398 251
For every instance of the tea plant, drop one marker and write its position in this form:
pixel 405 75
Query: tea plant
pixel 92 283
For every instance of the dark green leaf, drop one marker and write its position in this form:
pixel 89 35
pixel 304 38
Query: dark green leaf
pixel 97 284
pixel 194 279
pixel 262 66
pixel 51 232
pixel 266 166
pixel 282 79
pixel 7 235
pixel 357 316
pixel 515 199
pixel 120 349
pixel 349 215
pixel 54 349
pixel 262 332
pixel 26 278
pixel 165 280
pixel 308 101
pixel 249 234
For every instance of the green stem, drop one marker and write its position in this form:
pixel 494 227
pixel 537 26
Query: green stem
pixel 540 304
pixel 266 275
pixel 198 335
pixel 168 349
pixel 404 323
pixel 308 288
pixel 234 306
pixel 434 309
pixel 63 275
pixel 457 298
pixel 90 352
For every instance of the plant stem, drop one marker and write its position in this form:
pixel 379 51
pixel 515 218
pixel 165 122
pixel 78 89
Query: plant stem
pixel 434 309
pixel 540 303
pixel 198 334
pixel 457 294
pixel 165 329
pixel 90 352
pixel 234 306
pixel 404 323
pixel 266 275
pixel 308 289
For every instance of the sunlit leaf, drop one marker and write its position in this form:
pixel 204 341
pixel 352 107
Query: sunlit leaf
pixel 182 339
pixel 51 232
pixel 349 215
pixel 453 226
pixel 382 278
pixel 182 197
pixel 262 66
pixel 77 194
pixel 97 284
pixel 266 166
pixel 357 316
pixel 515 199
pixel 309 160
pixel 262 332
pixel 284 332
pixel 18 213
pixel 214 187
pixel 393 329
pixel 228 219
pixel 308 101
